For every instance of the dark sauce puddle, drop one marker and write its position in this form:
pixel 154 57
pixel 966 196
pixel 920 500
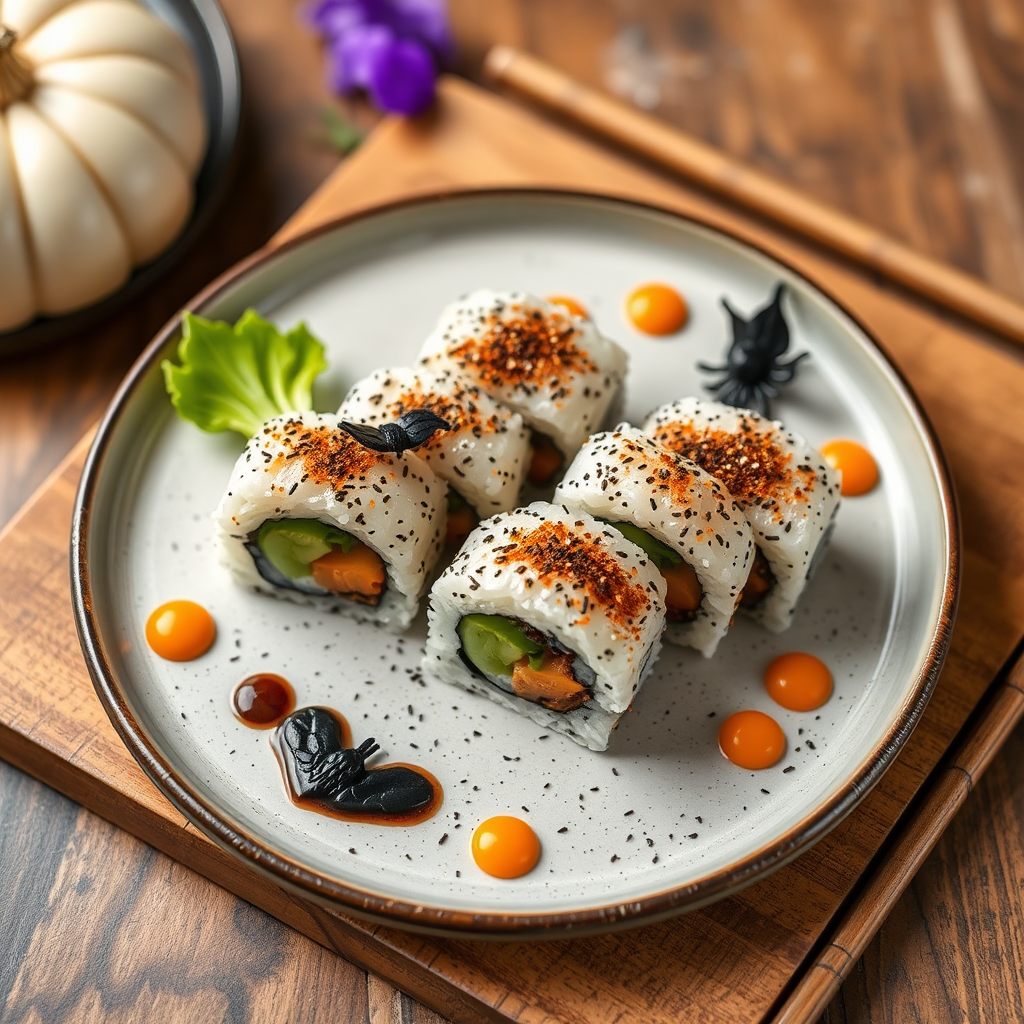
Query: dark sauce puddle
pixel 263 700
pixel 324 773
pixel 322 770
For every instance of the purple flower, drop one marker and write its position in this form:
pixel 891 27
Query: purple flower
pixel 427 21
pixel 354 53
pixel 333 17
pixel 402 77
pixel 390 48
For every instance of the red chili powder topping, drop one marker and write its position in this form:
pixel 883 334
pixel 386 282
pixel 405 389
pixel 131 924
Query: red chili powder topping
pixel 662 469
pixel 752 467
pixel 459 410
pixel 328 456
pixel 527 349
pixel 557 554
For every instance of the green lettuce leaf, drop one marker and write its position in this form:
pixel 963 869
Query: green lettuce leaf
pixel 237 378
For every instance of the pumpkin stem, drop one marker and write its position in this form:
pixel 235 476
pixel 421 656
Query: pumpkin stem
pixel 15 70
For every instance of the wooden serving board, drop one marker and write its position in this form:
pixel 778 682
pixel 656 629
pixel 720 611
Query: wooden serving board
pixel 776 951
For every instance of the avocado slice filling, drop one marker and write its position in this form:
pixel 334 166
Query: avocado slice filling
pixel 288 552
pixel 517 658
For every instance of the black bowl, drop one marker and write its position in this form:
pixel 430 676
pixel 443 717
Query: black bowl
pixel 202 25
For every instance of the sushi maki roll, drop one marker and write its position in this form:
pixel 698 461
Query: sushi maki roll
pixel 313 516
pixel 788 494
pixel 686 522
pixel 556 370
pixel 551 614
pixel 483 455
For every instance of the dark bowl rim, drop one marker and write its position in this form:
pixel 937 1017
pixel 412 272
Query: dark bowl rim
pixel 376 907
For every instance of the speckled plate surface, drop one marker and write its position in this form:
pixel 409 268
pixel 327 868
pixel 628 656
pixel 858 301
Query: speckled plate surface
pixel 659 823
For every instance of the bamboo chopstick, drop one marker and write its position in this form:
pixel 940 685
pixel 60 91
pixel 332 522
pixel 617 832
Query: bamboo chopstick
pixel 758 192
pixel 1002 708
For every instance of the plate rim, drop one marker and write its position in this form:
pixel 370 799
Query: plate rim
pixel 337 893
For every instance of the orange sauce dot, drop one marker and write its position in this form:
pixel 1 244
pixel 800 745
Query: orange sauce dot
pixel 656 309
pixel 180 630
pixel 752 739
pixel 798 681
pixel 855 462
pixel 505 847
pixel 567 302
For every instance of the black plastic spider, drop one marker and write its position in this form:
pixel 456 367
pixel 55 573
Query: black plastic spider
pixel 408 431
pixel 752 364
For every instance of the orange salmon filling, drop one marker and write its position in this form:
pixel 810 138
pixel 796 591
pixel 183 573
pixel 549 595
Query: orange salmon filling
pixel 545 462
pixel 684 592
pixel 460 525
pixel 759 582
pixel 552 685
pixel 358 575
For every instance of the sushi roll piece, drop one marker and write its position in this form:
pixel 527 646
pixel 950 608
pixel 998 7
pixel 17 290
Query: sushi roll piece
pixel 483 455
pixel 787 492
pixel 556 370
pixel 551 614
pixel 313 516
pixel 686 522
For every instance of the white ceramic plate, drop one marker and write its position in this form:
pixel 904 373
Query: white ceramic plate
pixel 659 823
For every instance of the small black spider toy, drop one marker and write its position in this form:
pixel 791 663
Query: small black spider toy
pixel 409 431
pixel 321 770
pixel 752 365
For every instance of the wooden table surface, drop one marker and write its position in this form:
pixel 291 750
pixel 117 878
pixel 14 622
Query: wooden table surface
pixel 906 114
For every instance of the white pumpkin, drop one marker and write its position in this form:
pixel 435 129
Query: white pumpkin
pixel 101 135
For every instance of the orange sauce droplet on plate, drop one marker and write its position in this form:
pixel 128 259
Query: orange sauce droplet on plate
pixel 180 630
pixel 505 847
pixel 575 307
pixel 656 309
pixel 752 739
pixel 798 681
pixel 855 462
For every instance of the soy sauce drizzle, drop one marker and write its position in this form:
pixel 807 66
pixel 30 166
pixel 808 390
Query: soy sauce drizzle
pixel 323 772
pixel 263 700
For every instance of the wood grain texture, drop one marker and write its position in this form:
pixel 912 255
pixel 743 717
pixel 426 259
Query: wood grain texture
pixel 735 956
pixel 926 820
pixel 695 162
pixel 848 101
pixel 97 897
pixel 854 103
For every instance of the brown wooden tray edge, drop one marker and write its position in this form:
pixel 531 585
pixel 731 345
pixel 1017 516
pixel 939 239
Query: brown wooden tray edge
pixel 189 847
pixel 812 985
pixel 815 983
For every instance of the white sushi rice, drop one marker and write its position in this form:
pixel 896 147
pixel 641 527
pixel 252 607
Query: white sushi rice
pixel 300 466
pixel 570 577
pixel 623 476
pixel 558 371
pixel 787 492
pixel 484 456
